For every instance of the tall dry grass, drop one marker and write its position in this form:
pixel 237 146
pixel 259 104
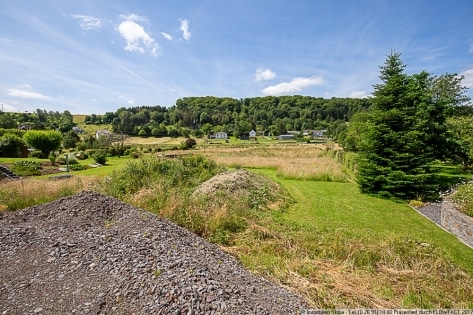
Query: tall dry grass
pixel 304 162
pixel 24 193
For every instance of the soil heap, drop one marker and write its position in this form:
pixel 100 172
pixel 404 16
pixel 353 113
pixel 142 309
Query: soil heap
pixel 92 254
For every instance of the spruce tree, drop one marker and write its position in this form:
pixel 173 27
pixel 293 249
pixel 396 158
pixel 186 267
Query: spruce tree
pixel 395 147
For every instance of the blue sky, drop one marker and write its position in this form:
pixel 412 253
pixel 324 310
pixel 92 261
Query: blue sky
pixel 93 56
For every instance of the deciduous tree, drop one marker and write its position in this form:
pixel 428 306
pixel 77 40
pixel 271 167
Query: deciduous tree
pixel 43 140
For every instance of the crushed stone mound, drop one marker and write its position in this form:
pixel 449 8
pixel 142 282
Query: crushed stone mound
pixel 92 254
pixel 235 182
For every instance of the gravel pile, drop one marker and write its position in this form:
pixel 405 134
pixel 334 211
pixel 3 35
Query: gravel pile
pixel 238 182
pixel 92 254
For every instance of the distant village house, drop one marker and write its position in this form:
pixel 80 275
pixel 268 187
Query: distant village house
pixel 221 135
pixel 101 133
pixel 286 137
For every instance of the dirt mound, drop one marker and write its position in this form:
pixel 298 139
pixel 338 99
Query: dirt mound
pixel 235 182
pixel 92 254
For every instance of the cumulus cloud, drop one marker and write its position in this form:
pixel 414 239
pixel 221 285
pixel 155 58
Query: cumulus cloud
pixel 167 36
pixel 88 22
pixel 295 85
pixel 264 74
pixel 185 29
pixel 24 91
pixel 468 80
pixel 137 39
pixel 358 94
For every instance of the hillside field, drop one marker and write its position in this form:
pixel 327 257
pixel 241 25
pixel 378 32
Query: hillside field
pixel 332 244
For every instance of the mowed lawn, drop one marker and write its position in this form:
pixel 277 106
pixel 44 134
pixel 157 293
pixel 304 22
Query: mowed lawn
pixel 341 248
pixel 330 205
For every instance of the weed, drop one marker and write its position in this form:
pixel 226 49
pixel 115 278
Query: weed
pixel 156 272
pixel 463 197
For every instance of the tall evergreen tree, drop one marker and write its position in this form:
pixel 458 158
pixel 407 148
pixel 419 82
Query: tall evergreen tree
pixel 395 150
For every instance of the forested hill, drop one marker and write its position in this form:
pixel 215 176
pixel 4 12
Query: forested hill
pixel 271 113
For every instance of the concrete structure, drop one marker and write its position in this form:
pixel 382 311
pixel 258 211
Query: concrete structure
pixel 457 223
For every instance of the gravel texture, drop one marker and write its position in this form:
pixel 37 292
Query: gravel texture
pixel 432 210
pixel 92 254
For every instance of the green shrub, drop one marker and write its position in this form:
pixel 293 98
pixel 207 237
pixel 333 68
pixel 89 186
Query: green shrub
pixel 81 146
pixel 185 173
pixel 72 159
pixel 36 154
pixel 26 168
pixel 11 145
pixel 100 157
pixel 52 157
pixel 135 154
pixel 77 167
pixel 188 144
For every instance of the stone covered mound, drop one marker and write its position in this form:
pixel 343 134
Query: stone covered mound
pixel 92 254
pixel 235 183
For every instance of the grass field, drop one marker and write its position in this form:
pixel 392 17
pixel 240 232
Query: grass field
pixel 366 251
pixel 337 247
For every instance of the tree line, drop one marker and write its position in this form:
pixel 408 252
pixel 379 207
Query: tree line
pixel 409 122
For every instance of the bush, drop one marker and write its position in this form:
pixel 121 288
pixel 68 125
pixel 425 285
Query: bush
pixel 53 158
pixel 188 143
pixel 26 168
pixel 81 146
pixel 71 157
pixel 135 154
pixel 100 157
pixel 36 154
pixel 77 167
pixel 11 145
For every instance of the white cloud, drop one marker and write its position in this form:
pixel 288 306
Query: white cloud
pixel 295 85
pixel 167 36
pixel 264 74
pixel 136 37
pixel 358 94
pixel 128 100
pixel 468 80
pixel 23 91
pixel 185 29
pixel 88 22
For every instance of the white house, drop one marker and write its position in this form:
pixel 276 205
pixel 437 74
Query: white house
pixel 252 134
pixel 221 135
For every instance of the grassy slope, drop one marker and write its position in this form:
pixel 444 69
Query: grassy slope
pixel 340 205
pixel 341 248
